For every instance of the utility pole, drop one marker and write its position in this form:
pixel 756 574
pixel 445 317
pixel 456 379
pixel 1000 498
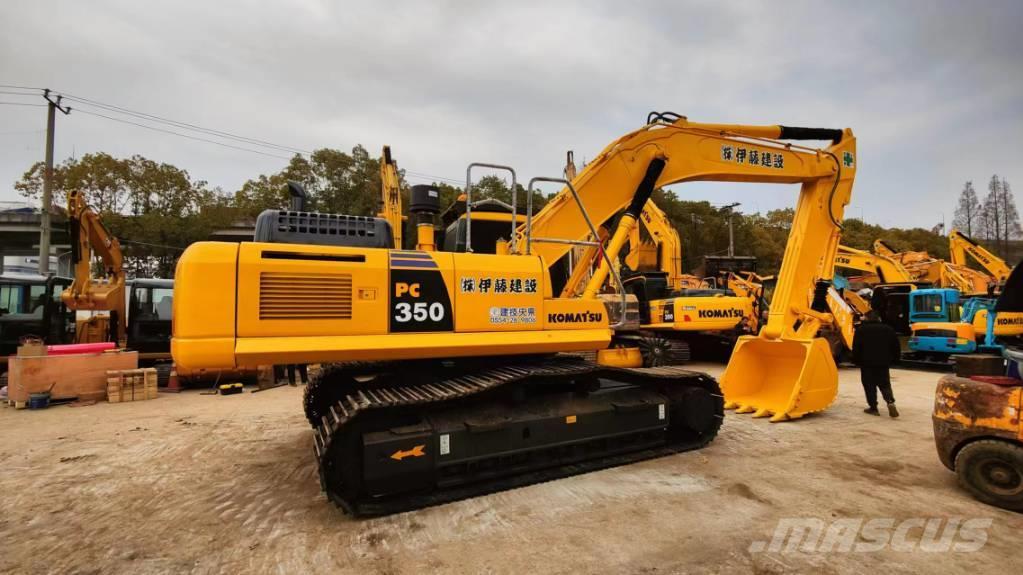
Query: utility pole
pixel 44 214
pixel 731 235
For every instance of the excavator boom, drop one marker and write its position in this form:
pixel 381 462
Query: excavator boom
pixel 390 196
pixel 960 246
pixel 884 267
pixel 89 237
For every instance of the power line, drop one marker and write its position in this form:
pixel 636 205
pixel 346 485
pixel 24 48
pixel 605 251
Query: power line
pixel 184 125
pixel 146 117
pixel 119 110
pixel 8 92
pixel 123 241
pixel 159 119
pixel 20 132
pixel 23 104
pixel 155 129
pixel 423 176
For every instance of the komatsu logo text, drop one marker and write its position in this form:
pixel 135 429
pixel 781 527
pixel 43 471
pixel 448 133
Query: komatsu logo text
pixel 720 313
pixel 580 317
pixel 1010 321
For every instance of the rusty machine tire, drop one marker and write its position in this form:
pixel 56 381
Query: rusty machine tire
pixel 992 471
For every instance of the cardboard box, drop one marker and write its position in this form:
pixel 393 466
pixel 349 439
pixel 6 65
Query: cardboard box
pixel 131 385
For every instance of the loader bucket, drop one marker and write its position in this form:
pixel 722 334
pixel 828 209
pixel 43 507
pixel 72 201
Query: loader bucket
pixel 783 379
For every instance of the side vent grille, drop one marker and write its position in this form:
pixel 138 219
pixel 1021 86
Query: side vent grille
pixel 305 296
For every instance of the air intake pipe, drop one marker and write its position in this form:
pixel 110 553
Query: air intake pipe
pixel 298 196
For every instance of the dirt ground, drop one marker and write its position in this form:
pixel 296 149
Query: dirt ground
pixel 210 484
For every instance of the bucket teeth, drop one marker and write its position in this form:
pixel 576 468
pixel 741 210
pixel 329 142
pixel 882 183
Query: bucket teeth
pixel 745 409
pixel 762 412
pixel 782 417
pixel 731 405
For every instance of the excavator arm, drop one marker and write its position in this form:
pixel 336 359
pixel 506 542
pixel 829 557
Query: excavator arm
pixel 665 240
pixel 967 281
pixel 390 195
pixel 960 246
pixel 89 238
pixel 887 269
pixel 882 248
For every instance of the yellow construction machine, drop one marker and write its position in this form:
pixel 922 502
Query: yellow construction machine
pixel 105 293
pixel 960 246
pixel 390 197
pixel 877 268
pixel 680 311
pixel 443 377
pixel 939 273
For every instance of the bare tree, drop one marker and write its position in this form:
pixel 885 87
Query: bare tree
pixel 968 216
pixel 1010 216
pixel 992 210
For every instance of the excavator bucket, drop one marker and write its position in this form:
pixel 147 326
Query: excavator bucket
pixel 780 379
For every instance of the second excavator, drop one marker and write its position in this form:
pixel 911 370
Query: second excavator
pixel 960 246
pixel 442 377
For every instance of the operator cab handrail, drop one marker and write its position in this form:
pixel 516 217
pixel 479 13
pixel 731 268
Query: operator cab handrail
pixel 468 201
pixel 593 232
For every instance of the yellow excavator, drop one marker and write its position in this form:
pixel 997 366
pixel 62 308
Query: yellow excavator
pixel 444 378
pixel 889 280
pixel 878 268
pixel 104 293
pixel 680 309
pixel 960 246
pixel 939 273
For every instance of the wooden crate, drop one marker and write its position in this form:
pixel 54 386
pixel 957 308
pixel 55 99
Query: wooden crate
pixel 82 376
pixel 131 385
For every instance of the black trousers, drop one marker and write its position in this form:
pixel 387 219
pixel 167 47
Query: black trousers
pixel 301 372
pixel 875 378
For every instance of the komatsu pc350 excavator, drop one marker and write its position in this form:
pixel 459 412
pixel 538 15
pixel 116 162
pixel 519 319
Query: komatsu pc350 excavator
pixel 442 378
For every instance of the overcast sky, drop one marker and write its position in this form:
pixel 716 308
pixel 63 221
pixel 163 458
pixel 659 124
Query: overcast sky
pixel 931 89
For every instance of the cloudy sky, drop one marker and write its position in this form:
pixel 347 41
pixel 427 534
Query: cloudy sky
pixel 932 89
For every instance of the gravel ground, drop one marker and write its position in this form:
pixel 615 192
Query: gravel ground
pixel 210 484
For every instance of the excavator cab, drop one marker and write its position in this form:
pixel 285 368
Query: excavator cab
pixel 490 221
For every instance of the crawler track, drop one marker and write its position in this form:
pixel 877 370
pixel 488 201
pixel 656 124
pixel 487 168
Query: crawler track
pixel 381 430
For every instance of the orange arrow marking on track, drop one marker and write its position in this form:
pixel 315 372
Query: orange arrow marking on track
pixel 417 451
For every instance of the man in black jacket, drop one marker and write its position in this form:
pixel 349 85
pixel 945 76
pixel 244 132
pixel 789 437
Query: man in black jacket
pixel 875 349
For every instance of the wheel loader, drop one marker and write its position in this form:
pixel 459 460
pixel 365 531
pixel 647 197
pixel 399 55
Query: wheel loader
pixel 444 373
